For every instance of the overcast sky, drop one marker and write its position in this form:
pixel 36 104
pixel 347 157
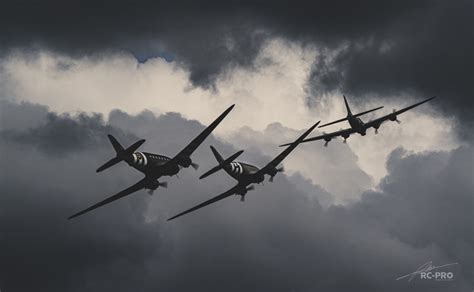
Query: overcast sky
pixel 350 216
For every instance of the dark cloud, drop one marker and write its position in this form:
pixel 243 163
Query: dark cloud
pixel 367 47
pixel 59 134
pixel 422 53
pixel 280 239
pixel 197 35
pixel 21 117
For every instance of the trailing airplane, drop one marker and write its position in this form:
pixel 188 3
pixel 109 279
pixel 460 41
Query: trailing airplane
pixel 153 166
pixel 357 125
pixel 245 174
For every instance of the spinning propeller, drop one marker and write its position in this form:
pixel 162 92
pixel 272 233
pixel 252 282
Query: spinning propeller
pixel 250 188
pixel 396 119
pixel 280 169
pixel 160 184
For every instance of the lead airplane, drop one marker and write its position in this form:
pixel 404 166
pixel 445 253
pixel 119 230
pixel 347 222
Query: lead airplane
pixel 357 125
pixel 245 174
pixel 153 166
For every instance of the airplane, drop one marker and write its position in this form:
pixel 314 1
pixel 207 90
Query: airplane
pixel 245 174
pixel 357 125
pixel 153 166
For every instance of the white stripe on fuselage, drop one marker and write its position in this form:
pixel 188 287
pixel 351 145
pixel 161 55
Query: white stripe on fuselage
pixel 236 168
pixel 140 159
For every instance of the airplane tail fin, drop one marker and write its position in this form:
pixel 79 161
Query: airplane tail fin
pixel 121 153
pixel 349 113
pixel 222 162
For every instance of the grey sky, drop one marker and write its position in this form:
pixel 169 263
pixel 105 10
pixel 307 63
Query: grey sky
pixel 280 239
pixel 348 217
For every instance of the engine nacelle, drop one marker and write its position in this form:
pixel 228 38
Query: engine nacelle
pixel 174 169
pixel 153 185
pixel 259 179
pixel 376 127
pixel 272 172
pixel 185 161
pixel 242 191
pixel 327 139
pixel 393 118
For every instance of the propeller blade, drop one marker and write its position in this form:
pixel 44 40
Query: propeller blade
pixel 163 184
pixel 195 165
pixel 242 198
pixel 376 131
pixel 326 144
pixel 270 179
pixel 250 188
pixel 150 192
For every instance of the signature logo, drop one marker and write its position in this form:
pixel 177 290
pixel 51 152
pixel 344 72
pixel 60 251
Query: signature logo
pixel 425 272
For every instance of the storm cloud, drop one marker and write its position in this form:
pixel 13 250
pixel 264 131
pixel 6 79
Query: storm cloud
pixel 366 49
pixel 280 239
pixel 425 53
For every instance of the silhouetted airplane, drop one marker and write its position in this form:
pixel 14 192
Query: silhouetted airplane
pixel 357 125
pixel 152 165
pixel 245 174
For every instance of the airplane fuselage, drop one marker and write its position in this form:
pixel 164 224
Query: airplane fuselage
pixel 357 124
pixel 243 172
pixel 152 164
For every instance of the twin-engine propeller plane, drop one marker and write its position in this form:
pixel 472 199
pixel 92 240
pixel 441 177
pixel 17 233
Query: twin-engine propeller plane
pixel 357 125
pixel 153 166
pixel 245 174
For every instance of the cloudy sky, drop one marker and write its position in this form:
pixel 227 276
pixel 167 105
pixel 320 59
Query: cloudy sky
pixel 352 216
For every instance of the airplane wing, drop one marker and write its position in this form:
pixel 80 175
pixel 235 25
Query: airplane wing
pixel 277 160
pixel 194 144
pixel 208 202
pixel 136 187
pixel 328 136
pixel 392 116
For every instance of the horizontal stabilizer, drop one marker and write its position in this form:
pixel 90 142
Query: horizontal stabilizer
pixel 121 153
pixel 222 162
pixel 356 115
pixel 109 163
pixel 134 147
pixel 335 122
pixel 369 111
pixel 117 147
pixel 216 154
